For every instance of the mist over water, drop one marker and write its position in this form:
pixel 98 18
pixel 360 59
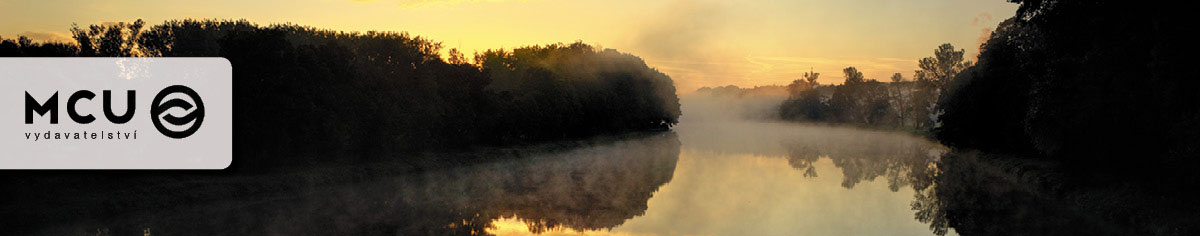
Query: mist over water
pixel 592 187
pixel 724 170
pixel 725 107
pixel 740 174
pixel 1070 118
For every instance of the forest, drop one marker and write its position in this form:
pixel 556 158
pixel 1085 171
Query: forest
pixel 1090 105
pixel 305 94
pixel 1101 87
pixel 897 104
pixel 1076 117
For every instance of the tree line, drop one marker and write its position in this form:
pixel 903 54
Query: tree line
pixel 304 94
pixel 897 104
pixel 1102 87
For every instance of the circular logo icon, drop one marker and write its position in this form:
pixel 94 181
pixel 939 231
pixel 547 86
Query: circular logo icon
pixel 158 107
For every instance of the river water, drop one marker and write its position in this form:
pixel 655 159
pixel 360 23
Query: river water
pixel 752 178
pixel 701 178
pixel 718 172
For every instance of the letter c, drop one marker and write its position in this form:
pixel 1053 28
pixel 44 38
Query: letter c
pixel 81 94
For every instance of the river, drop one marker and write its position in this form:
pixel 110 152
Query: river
pixel 720 176
pixel 702 178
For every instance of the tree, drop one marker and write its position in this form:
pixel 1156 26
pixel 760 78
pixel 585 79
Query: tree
pixel 809 81
pixel 896 78
pixel 850 101
pixel 898 104
pixel 24 47
pixel 805 104
pixel 1089 83
pixel 852 76
pixel 333 96
pixel 456 57
pixel 942 66
pixel 114 40
pixel 935 73
pixel 896 91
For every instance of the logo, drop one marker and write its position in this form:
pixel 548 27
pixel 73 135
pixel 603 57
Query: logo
pixel 194 116
pixel 116 113
pixel 180 126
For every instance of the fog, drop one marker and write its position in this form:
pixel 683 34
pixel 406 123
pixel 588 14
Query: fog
pixel 597 186
pixel 740 172
pixel 732 104
pixel 727 168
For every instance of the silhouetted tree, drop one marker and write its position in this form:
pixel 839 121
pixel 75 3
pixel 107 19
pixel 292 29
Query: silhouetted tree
pixel 943 66
pixel 898 92
pixel 307 94
pixel 805 101
pixel 1086 82
pixel 808 82
pixel 900 104
pixel 24 47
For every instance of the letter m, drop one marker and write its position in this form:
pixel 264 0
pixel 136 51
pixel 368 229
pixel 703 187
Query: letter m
pixel 31 106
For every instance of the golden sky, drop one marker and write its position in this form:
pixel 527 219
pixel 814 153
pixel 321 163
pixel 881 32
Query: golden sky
pixel 696 42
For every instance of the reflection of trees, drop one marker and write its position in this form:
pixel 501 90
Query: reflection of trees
pixel 864 156
pixel 591 189
pixel 983 194
pixel 978 194
pixel 986 194
pixel 802 158
pixel 928 209
pixel 586 188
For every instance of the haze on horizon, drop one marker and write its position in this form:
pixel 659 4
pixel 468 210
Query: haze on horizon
pixel 697 42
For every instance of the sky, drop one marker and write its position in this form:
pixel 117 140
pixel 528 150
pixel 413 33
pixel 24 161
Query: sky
pixel 696 42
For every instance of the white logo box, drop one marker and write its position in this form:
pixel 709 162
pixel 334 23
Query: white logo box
pixel 210 147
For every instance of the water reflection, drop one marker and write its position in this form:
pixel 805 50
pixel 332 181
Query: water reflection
pixel 754 178
pixel 588 188
pixel 948 192
pixel 705 178
pixel 517 226
pixel 986 194
pixel 902 161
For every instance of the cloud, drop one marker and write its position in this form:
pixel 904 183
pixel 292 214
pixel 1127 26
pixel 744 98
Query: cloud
pixel 687 39
pixel 984 35
pixel 984 21
pixel 681 30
